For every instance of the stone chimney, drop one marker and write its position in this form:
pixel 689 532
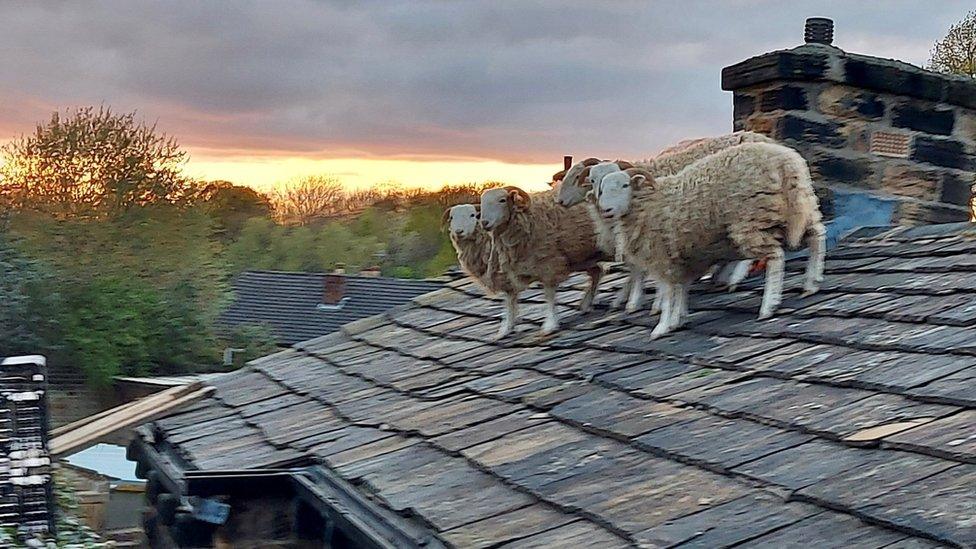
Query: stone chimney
pixel 887 142
pixel 334 289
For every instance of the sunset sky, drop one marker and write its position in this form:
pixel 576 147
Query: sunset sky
pixel 419 92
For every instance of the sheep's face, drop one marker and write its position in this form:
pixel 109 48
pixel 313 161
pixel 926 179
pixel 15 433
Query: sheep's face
pixel 498 206
pixel 570 192
pixel 614 194
pixel 598 172
pixel 463 220
pixel 573 189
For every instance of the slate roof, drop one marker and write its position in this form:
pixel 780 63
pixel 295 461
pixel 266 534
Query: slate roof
pixel 849 420
pixel 286 301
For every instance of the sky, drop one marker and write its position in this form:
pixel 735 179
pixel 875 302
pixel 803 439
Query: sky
pixel 421 92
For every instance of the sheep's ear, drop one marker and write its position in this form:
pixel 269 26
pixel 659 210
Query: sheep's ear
pixel 590 195
pixel 584 178
pixel 591 161
pixel 446 217
pixel 558 176
pixel 639 181
pixel 519 199
pixel 624 165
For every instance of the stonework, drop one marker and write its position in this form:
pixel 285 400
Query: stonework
pixel 866 123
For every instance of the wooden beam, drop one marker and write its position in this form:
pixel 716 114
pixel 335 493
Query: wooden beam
pixel 179 390
pixel 143 410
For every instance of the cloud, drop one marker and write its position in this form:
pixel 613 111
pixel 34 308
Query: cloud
pixel 523 82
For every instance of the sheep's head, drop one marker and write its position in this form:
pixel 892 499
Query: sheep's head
pixel 616 191
pixel 462 220
pixel 571 191
pixel 598 172
pixel 498 205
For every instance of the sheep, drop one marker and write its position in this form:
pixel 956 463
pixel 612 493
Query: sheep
pixel 474 252
pixel 745 201
pixel 584 176
pixel 534 239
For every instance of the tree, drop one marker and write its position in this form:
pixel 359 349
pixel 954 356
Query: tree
pixel 307 199
pixel 956 53
pixel 230 206
pixel 93 163
pixel 31 303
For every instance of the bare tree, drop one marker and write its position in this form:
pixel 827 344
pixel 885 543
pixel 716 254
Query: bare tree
pixel 306 199
pixel 956 53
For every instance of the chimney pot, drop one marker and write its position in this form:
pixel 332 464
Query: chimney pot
pixel 819 30
pixel 567 162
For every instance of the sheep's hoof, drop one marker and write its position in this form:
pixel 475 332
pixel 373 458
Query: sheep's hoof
pixel 764 315
pixel 659 331
pixel 549 327
pixel 502 333
pixel 731 288
pixel 809 291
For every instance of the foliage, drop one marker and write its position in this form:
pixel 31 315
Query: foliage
pixel 956 52
pixel 31 304
pixel 257 340
pixel 139 294
pixel 230 206
pixel 92 163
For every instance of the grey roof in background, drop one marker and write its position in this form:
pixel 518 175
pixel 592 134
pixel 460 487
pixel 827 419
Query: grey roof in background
pixel 845 421
pixel 287 301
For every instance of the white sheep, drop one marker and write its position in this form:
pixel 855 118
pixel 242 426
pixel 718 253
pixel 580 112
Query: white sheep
pixel 535 240
pixel 744 201
pixel 474 253
pixel 584 176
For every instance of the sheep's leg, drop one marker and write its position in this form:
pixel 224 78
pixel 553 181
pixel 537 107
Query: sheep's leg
pixel 817 242
pixel 758 244
pixel 658 298
pixel 680 310
pixel 773 289
pixel 666 291
pixel 552 316
pixel 636 299
pixel 621 300
pixel 739 272
pixel 509 316
pixel 589 298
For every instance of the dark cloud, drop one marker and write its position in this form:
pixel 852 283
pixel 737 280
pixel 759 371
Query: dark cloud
pixel 519 81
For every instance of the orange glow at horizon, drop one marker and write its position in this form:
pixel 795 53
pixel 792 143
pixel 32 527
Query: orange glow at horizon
pixel 264 173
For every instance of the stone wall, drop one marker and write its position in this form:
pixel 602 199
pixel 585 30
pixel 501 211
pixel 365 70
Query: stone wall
pixel 900 133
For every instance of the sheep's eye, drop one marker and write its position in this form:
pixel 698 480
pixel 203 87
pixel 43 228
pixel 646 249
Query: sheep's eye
pixel 626 185
pixel 472 215
pixel 503 200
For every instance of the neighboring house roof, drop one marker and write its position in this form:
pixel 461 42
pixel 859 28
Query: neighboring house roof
pixel 287 301
pixel 855 403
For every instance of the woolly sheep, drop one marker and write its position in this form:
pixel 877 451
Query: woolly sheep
pixel 743 201
pixel 536 240
pixel 474 252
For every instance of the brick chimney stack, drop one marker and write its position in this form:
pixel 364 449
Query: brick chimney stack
pixel 334 289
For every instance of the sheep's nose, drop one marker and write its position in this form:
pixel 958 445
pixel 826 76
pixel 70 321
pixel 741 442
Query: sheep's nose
pixel 484 224
pixel 458 231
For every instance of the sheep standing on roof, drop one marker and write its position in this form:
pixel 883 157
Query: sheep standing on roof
pixel 583 176
pixel 534 239
pixel 474 252
pixel 744 201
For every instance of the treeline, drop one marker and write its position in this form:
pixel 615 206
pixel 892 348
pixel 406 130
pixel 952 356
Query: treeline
pixel 113 262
